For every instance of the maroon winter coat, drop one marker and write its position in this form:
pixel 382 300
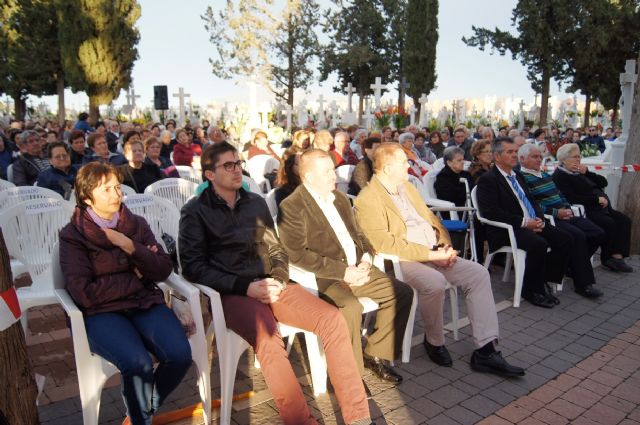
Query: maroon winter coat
pixel 183 155
pixel 100 277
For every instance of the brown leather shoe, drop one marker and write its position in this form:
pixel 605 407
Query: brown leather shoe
pixel 382 369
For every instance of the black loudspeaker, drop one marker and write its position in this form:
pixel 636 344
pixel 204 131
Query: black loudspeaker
pixel 160 98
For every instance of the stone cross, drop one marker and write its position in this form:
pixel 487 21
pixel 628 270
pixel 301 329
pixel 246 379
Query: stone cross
pixel 287 110
pixel 377 91
pixel 131 96
pixel 422 122
pixel 350 90
pixel 303 117
pixel 181 95
pixel 321 116
pixel 402 88
pixel 367 116
pixel 412 115
pixel 521 115
pixel 333 107
pixel 627 82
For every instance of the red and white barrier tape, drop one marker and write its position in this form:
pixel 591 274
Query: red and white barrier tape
pixel 9 308
pixel 632 168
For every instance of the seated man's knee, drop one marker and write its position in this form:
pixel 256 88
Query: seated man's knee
pixel 352 308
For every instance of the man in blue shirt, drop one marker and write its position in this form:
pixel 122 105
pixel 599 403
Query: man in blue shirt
pixel 61 175
pixel 595 139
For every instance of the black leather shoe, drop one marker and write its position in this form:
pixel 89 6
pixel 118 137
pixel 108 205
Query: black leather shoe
pixel 539 300
pixel 494 363
pixel 438 354
pixel 589 291
pixel 617 265
pixel 382 369
pixel 549 294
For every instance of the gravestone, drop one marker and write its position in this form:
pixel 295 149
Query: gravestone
pixel 287 111
pixel 303 116
pixel 423 121
pixel 377 91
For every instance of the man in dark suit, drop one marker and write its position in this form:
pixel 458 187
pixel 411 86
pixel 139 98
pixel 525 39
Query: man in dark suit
pixel 318 230
pixel 503 196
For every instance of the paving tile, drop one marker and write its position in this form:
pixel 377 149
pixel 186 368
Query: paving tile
pixel 549 417
pixel 462 416
pixel 447 396
pixel 604 414
pixel 565 408
pixel 513 413
pixel 481 405
pixel 494 420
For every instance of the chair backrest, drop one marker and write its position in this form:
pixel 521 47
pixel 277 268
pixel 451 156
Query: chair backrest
pixel 5 184
pixel 253 186
pixel 271 203
pixel 10 173
pixel 429 181
pixel 56 270
pixel 474 202
pixel 189 173
pixel 260 165
pixel 15 195
pixel 161 214
pixel 31 229
pixel 176 190
pixel 127 190
pixel 343 177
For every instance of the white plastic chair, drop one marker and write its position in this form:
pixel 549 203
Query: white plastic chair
pixel 127 190
pixel 31 230
pixel 17 194
pixel 260 165
pixel 93 370
pixel 271 203
pixel 162 215
pixel 10 173
pixel 5 184
pixel 189 173
pixel 253 186
pixel 519 256
pixel 343 177
pixel 176 190
pixel 397 271
pixel 230 347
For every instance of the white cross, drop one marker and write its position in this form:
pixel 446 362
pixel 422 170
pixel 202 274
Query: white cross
pixel 287 111
pixel 350 90
pixel 333 106
pixel 133 95
pixel 181 95
pixel 521 104
pixel 412 115
pixel 377 90
pixel 423 109
pixel 367 116
pixel 627 81
pixel 302 114
pixel 321 116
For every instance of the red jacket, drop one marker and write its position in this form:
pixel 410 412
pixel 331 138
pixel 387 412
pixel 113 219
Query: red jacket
pixel 100 277
pixel 183 155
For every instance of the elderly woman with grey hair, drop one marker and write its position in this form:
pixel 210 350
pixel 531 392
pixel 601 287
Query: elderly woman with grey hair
pixel 30 162
pixel 581 186
pixel 448 185
pixel 406 142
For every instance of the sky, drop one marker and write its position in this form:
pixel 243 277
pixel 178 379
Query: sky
pixel 174 50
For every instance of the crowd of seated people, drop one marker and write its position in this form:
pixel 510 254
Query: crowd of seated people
pixel 323 231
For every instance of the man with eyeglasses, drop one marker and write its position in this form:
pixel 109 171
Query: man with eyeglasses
pixel 228 242
pixel 30 162
pixel 61 176
pixel 593 138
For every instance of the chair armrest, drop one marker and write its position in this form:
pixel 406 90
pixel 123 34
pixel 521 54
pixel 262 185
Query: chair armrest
pixel 78 330
pixel 192 294
pixel 304 278
pixel 434 202
pixel 551 219
pixel 454 208
pixel 578 210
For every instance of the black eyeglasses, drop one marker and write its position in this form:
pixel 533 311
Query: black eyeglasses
pixel 231 166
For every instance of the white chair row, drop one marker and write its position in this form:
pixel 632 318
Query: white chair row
pixel 260 165
pixel 5 184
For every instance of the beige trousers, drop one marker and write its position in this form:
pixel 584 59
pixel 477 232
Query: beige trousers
pixel 469 277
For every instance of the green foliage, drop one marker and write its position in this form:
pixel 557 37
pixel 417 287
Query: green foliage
pixel 357 52
pixel 419 55
pixel 605 36
pixel 588 150
pixel 97 43
pixel 542 41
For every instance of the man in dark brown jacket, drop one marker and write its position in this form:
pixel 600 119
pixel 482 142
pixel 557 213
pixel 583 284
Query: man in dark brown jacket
pixel 318 230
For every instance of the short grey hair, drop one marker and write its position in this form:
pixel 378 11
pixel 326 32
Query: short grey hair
pixel 564 151
pixel 405 136
pixel 525 150
pixel 27 134
pixel 359 132
pixel 451 152
pixel 497 147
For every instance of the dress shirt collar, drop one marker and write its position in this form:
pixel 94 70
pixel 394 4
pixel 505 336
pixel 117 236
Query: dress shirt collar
pixel 319 199
pixel 537 173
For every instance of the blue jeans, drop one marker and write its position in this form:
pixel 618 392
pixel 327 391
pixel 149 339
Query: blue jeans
pixel 126 339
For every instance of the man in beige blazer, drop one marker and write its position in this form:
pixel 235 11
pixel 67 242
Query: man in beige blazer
pixel 318 230
pixel 396 221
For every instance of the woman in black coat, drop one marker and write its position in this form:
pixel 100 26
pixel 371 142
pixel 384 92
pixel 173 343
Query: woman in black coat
pixel 581 186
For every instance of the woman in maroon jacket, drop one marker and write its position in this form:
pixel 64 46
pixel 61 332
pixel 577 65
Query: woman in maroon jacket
pixel 185 149
pixel 111 261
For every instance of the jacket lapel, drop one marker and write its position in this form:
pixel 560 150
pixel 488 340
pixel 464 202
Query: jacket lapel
pixel 315 213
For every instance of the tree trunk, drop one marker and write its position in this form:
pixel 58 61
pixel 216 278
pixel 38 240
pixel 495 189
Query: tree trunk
pixel 544 98
pixel 94 111
pixel 61 108
pixel 628 199
pixel 587 111
pixel 291 82
pixel 614 119
pixel 19 107
pixel 18 392
pixel 360 107
pixel 418 106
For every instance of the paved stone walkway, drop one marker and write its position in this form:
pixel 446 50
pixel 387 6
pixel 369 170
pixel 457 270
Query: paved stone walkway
pixel 580 347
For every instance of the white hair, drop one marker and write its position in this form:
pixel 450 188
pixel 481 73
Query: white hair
pixel 405 136
pixel 525 150
pixel 565 150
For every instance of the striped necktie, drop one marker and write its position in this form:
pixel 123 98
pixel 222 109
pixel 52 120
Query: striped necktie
pixel 522 196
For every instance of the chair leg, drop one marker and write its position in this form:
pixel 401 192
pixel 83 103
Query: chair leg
pixel 408 332
pixel 317 363
pixel 487 261
pixel 507 267
pixel 201 359
pixel 453 296
pixel 90 383
pixel 519 264
pixel 228 360
pixel 367 322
